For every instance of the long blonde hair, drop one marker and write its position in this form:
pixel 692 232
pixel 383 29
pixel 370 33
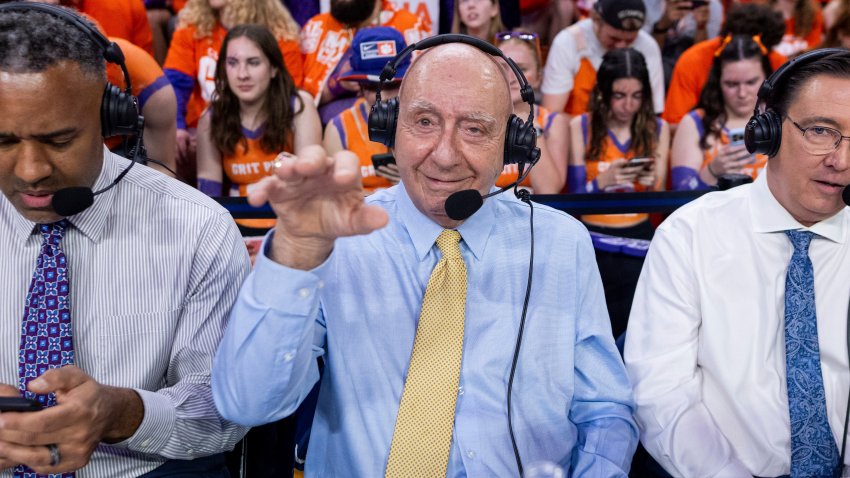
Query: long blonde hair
pixel 496 24
pixel 268 13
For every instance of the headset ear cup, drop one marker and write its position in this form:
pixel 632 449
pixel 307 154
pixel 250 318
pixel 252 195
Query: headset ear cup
pixel 119 114
pixel 520 142
pixel 382 122
pixel 513 130
pixel 763 133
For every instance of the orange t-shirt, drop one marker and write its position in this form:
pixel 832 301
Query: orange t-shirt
pixel 691 74
pixel 751 169
pixel 510 172
pixel 248 164
pixel 146 76
pixel 324 40
pixel 583 84
pixel 793 44
pixel 126 19
pixel 197 57
pixel 353 127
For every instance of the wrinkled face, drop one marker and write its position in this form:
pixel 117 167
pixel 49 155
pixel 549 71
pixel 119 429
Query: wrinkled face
pixel 477 14
pixel 626 98
pixel 451 131
pixel 524 59
pixel 248 70
pixel 49 136
pixel 612 38
pixel 739 83
pixel 810 186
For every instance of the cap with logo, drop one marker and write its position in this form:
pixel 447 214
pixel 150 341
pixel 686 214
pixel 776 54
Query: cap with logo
pixel 371 49
pixel 622 14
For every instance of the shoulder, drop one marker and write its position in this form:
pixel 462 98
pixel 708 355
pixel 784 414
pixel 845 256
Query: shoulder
pixel 716 210
pixel 550 224
pixel 647 45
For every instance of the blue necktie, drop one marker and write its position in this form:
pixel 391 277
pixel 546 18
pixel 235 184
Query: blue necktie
pixel 813 449
pixel 46 341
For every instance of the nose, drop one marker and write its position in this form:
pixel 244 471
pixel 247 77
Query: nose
pixel 31 166
pixel 446 153
pixel 840 158
pixel 242 70
pixel 621 43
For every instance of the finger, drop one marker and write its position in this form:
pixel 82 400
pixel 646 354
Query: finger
pixel 368 218
pixel 259 194
pixel 49 425
pixel 36 457
pixel 9 391
pixel 59 379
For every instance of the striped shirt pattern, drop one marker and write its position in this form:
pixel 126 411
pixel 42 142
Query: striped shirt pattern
pixel 154 268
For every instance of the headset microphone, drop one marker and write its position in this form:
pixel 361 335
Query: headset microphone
pixel 845 195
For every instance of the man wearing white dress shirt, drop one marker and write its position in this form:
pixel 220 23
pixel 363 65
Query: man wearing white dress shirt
pixel 737 340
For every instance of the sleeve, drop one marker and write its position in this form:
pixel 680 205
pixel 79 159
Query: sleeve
pixel 183 85
pixel 683 94
pixel 561 64
pixel 576 179
pixel 276 322
pixel 181 68
pixel 293 60
pixel 662 345
pixel 602 404
pixel 180 420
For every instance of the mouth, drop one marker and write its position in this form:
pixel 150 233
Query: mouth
pixel 245 87
pixel 451 185
pixel 829 187
pixel 36 199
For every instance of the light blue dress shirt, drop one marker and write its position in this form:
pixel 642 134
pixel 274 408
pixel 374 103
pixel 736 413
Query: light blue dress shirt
pixel 572 402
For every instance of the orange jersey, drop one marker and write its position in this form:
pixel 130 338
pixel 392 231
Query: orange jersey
pixel 324 40
pixel 353 127
pixel 197 57
pixel 146 76
pixel 611 149
pixel 691 74
pixel 247 166
pixel 542 122
pixel 126 19
pixel 793 44
pixel 583 84
pixel 751 169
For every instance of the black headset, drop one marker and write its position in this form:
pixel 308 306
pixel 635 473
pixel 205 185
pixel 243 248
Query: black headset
pixel 119 111
pixel 763 133
pixel 520 137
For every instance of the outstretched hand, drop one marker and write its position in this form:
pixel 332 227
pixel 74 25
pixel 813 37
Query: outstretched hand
pixel 317 198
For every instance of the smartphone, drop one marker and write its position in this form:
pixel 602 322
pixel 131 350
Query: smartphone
pixel 382 159
pixel 736 136
pixel 645 162
pixel 18 404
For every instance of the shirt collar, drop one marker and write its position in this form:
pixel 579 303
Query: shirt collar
pixel 90 222
pixel 423 231
pixel 768 215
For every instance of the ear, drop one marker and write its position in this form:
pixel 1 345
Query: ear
pixel 274 72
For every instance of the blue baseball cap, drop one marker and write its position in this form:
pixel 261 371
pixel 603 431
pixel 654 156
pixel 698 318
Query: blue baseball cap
pixel 371 49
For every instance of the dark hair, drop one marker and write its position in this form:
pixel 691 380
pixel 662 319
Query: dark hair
pixel 740 47
pixel 841 26
pixel 352 13
pixel 34 40
pixel 751 19
pixel 785 92
pixel 278 105
pixel 616 65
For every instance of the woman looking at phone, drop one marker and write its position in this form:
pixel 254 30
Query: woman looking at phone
pixel 256 112
pixel 703 149
pixel 619 145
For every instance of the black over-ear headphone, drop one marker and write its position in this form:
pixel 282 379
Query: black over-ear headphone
pixel 763 133
pixel 119 112
pixel 520 137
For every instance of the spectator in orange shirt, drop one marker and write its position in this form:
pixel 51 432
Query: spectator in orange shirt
pixel 709 142
pixel 803 25
pixel 192 56
pixel 126 19
pixel 479 18
pixel 691 71
pixel 325 39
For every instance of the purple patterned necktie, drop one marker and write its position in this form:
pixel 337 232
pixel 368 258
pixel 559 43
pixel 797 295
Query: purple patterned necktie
pixel 46 329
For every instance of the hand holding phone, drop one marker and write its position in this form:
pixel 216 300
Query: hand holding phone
pixel 384 159
pixel 18 404
pixel 643 163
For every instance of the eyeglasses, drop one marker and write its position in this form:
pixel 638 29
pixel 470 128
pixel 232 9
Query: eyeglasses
pixel 528 37
pixel 819 139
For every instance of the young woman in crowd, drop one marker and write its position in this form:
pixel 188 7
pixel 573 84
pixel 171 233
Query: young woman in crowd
pixel 479 18
pixel 619 145
pixel 550 174
pixel 192 55
pixel 256 113
pixel 709 139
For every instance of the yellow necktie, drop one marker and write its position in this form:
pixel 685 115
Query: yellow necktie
pixel 423 429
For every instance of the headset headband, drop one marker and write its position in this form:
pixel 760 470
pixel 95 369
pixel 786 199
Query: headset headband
pixel 775 79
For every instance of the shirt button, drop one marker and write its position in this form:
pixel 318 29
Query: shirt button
pixel 288 356
pixel 190 451
pixel 460 390
pixel 321 284
pixel 470 454
pixel 304 293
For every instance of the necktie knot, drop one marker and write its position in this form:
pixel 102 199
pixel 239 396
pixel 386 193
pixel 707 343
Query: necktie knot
pixel 53 232
pixel 448 242
pixel 800 240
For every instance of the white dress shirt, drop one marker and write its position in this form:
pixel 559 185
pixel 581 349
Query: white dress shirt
pixel 705 347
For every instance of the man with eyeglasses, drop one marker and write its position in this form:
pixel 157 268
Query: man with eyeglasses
pixel 577 52
pixel 737 343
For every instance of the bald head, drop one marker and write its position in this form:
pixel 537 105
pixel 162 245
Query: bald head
pixel 453 63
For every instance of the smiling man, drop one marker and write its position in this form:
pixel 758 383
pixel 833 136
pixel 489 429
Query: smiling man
pixel 406 393
pixel 737 340
pixel 109 317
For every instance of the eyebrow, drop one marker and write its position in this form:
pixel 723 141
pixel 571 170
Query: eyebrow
pixel 44 136
pixel 819 119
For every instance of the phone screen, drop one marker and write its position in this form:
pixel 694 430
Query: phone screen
pixel 382 159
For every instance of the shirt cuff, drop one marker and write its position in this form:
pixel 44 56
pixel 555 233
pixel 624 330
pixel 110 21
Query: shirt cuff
pixel 269 278
pixel 157 424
